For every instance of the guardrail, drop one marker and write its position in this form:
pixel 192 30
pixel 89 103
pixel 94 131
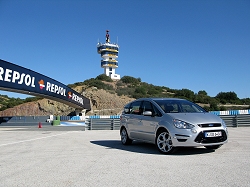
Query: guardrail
pixel 231 112
pixel 102 124
pixel 236 120
pixel 231 118
pixel 113 124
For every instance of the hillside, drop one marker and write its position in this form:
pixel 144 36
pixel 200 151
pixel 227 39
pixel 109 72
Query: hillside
pixel 108 98
pixel 102 103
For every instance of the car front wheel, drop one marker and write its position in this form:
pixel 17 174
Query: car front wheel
pixel 164 142
pixel 124 137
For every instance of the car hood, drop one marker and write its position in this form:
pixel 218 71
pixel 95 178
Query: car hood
pixel 196 118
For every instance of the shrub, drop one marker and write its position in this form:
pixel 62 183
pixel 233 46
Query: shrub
pixel 104 77
pixel 130 80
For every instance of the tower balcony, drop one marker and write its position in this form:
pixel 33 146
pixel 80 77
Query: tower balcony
pixel 107 47
pixel 109 64
pixel 110 50
pixel 109 54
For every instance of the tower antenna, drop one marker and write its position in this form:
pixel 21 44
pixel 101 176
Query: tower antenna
pixel 107 36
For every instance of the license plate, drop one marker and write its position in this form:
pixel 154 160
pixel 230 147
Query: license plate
pixel 212 134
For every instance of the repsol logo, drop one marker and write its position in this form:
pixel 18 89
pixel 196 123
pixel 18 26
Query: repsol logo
pixel 55 89
pixel 9 75
pixel 77 98
pixel 50 87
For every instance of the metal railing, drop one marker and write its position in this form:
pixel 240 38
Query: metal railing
pixel 236 120
pixel 102 124
pixel 114 124
pixel 111 123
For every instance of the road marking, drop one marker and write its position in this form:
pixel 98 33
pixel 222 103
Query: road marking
pixel 35 139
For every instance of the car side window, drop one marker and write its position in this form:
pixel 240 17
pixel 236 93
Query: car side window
pixel 176 108
pixel 135 108
pixel 156 111
pixel 146 106
pixel 169 107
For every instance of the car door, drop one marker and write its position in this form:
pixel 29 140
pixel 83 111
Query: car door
pixel 134 120
pixel 148 124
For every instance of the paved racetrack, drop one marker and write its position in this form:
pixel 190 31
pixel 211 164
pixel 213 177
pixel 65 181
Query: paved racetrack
pixel 63 157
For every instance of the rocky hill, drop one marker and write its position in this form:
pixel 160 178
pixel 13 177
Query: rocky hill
pixel 102 103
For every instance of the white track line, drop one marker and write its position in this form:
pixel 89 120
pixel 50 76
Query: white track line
pixel 34 139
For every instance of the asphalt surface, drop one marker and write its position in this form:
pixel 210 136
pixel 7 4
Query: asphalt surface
pixel 51 157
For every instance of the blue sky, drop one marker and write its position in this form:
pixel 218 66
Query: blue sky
pixel 191 44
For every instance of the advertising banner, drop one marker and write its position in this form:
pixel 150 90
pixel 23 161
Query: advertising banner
pixel 19 79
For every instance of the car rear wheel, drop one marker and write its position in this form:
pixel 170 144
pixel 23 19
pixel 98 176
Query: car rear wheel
pixel 213 147
pixel 124 137
pixel 164 142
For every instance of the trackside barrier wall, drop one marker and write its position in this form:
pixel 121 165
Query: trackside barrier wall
pixel 233 118
pixel 70 118
pixel 230 112
pixel 94 122
pixel 102 124
pixel 236 120
pixel 24 120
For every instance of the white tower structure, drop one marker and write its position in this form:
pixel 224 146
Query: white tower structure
pixel 109 54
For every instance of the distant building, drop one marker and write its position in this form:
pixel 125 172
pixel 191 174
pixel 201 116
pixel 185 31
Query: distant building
pixel 109 54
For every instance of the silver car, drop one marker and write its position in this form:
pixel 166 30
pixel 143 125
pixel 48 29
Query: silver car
pixel 170 123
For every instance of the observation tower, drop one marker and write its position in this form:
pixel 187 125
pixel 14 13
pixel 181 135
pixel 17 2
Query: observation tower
pixel 109 54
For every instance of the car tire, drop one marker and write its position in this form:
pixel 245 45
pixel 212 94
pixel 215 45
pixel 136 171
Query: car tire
pixel 124 137
pixel 213 147
pixel 164 142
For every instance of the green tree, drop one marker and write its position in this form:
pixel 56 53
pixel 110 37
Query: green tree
pixel 202 92
pixel 214 105
pixel 230 97
pixel 202 97
pixel 222 108
pixel 140 90
pixel 185 93
pixel 246 101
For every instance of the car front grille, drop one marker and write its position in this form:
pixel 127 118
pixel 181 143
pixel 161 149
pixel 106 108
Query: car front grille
pixel 202 139
pixel 206 125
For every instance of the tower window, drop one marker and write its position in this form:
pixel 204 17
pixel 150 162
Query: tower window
pixel 110 69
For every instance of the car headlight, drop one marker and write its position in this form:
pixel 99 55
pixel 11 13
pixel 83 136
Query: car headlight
pixel 223 123
pixel 182 124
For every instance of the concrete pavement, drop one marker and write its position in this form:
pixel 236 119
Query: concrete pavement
pixel 59 156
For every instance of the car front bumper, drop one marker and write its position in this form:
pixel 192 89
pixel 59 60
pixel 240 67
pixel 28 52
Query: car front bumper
pixel 198 137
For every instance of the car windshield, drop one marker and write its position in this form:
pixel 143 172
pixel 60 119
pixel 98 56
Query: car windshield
pixel 179 106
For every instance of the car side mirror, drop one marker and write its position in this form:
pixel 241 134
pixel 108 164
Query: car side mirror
pixel 126 110
pixel 147 113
